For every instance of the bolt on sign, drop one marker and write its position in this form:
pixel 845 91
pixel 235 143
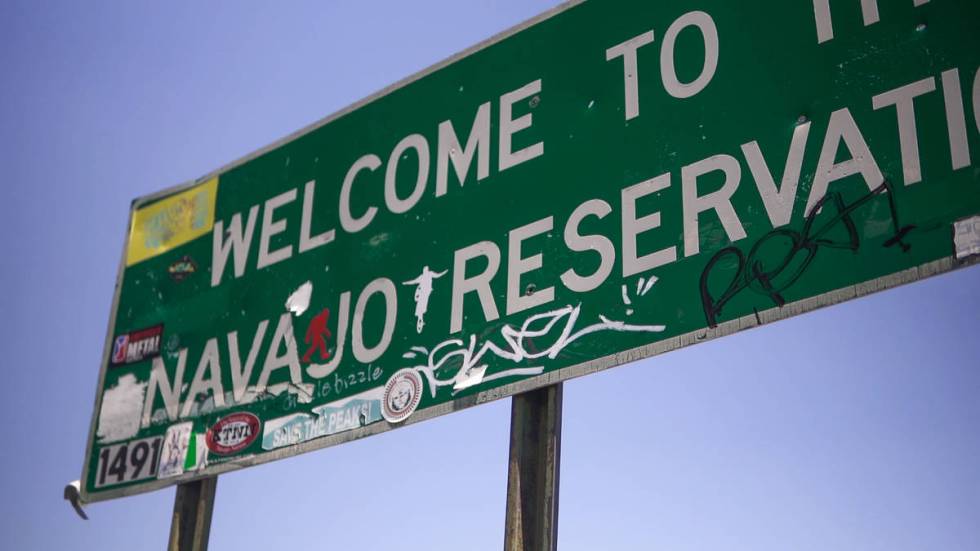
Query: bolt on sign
pixel 609 181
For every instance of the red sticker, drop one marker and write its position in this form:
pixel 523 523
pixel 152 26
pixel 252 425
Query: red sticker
pixel 316 335
pixel 136 346
pixel 233 433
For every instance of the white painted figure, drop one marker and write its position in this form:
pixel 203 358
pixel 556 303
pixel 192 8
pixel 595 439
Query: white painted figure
pixel 423 290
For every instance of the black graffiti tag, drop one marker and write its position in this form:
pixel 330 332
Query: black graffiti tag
pixel 772 281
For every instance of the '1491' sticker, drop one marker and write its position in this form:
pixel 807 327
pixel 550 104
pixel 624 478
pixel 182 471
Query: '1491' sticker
pixel 128 462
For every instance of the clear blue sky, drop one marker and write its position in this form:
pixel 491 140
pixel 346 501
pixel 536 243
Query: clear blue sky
pixel 854 427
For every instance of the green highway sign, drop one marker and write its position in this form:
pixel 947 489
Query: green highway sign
pixel 607 182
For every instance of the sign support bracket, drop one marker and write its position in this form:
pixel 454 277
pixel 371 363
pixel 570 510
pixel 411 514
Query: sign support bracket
pixel 532 478
pixel 190 527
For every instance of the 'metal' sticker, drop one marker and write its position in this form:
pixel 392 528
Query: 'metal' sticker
pixel 136 346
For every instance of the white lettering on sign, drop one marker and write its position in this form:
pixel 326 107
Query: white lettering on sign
pixel 275 361
pixel 842 128
pixel 778 202
pixel 348 222
pixel 478 144
pixel 668 72
pixel 709 35
pixel 462 285
pixel 169 391
pixel 307 242
pixel 633 226
pixel 908 135
pixel 631 70
pixel 719 201
pixel 869 12
pixel 976 99
pixel 509 126
pixel 356 216
pixel 959 146
pixel 237 244
pixel 241 375
pixel 367 354
pixel 395 204
pixel 517 265
pixel 209 365
pixel 271 227
pixel 577 242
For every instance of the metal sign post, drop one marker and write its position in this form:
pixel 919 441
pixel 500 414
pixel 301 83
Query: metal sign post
pixel 532 478
pixel 191 524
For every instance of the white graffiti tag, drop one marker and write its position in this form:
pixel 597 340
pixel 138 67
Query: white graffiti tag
pixel 423 290
pixel 643 287
pixel 467 359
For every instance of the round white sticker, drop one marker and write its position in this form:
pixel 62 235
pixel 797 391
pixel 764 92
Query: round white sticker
pixel 402 394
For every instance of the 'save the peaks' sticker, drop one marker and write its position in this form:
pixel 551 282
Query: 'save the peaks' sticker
pixel 136 346
pixel 402 394
pixel 233 433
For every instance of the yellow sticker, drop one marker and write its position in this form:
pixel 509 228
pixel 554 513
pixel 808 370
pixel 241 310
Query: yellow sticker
pixel 171 222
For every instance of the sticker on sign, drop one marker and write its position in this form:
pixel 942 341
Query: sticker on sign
pixel 966 237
